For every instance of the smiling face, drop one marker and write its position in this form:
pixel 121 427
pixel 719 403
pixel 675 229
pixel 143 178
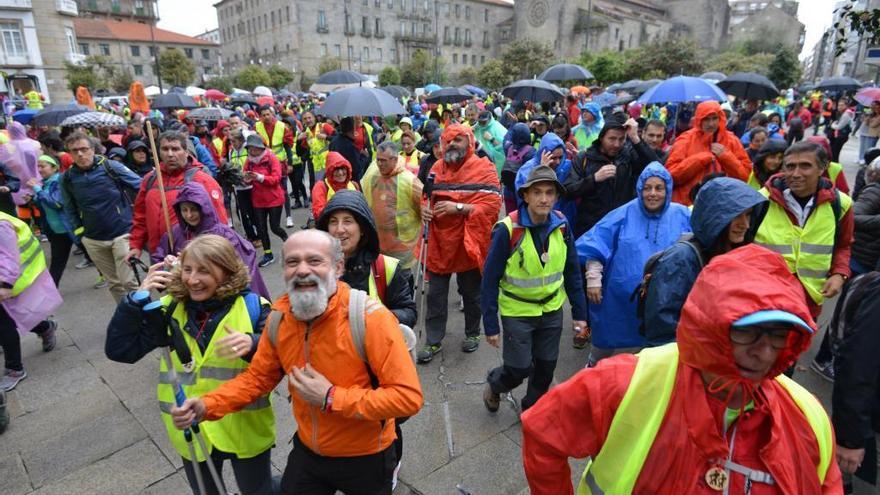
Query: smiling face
pixel 310 273
pixel 340 174
pixel 802 172
pixel 343 226
pixel 200 279
pixel 654 194
pixel 736 231
pixel 191 213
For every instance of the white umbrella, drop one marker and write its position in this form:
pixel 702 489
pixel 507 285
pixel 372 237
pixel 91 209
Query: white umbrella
pixel 152 91
pixel 262 91
pixel 194 91
pixel 237 90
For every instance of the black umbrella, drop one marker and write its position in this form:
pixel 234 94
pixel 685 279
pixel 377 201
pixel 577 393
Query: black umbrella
pixel 366 102
pixel 55 114
pixel 566 72
pixel 806 87
pixel 174 100
pixel 242 98
pixel 177 89
pixel 533 90
pixel 613 88
pixel 340 77
pixel 645 86
pixel 449 95
pixel 713 76
pixel 841 83
pixel 750 86
pixel 209 113
pixel 396 91
pixel 624 99
pixel 284 93
pixel 630 85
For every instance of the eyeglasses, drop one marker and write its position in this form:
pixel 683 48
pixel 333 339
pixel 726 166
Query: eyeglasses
pixel 77 151
pixel 778 335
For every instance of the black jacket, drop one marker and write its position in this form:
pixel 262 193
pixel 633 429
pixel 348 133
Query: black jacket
pixel 398 291
pixel 866 245
pixel 595 199
pixel 345 147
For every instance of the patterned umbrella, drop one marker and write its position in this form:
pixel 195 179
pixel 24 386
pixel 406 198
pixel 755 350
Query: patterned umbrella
pixel 868 96
pixel 210 113
pixel 55 114
pixel 94 119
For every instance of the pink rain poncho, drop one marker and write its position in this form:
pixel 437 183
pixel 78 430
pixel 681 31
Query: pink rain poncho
pixel 20 155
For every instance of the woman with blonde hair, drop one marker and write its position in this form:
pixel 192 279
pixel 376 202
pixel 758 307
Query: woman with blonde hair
pixel 213 322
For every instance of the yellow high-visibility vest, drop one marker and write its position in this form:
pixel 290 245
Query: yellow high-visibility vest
pixel 32 261
pixel 276 144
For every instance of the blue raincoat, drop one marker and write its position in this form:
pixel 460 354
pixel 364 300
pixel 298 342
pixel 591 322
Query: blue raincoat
pixel 587 133
pixel 549 143
pixel 622 241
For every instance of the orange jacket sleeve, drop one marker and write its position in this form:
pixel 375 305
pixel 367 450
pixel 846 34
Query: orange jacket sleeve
pixel 685 167
pixel 735 161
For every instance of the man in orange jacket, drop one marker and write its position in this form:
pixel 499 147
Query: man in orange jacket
pixel 344 406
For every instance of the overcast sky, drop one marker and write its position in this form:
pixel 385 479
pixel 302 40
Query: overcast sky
pixel 197 16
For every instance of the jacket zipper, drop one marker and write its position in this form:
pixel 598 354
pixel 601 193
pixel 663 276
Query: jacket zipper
pixel 312 413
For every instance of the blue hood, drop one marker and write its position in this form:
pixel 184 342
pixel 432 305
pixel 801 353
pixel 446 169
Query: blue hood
pixel 549 143
pixel 596 111
pixel 719 202
pixel 654 169
pixel 520 135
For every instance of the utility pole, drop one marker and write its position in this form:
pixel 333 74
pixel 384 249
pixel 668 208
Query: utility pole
pixel 436 42
pixel 589 18
pixel 347 39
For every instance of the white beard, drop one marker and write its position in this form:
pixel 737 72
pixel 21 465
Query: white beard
pixel 308 305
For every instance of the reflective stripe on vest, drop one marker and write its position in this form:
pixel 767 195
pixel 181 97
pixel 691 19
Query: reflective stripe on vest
pixel 406 218
pixel 32 262
pixel 807 250
pixel 529 287
pixel 390 269
pixel 277 141
pixel 616 468
pixel 246 433
pixel 331 192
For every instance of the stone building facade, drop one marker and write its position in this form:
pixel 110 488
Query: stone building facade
pixel 706 21
pixel 775 21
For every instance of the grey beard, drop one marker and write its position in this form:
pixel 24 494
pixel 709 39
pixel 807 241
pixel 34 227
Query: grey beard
pixel 308 305
pixel 453 156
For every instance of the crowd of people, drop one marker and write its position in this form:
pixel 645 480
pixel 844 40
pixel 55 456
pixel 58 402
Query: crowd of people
pixel 695 245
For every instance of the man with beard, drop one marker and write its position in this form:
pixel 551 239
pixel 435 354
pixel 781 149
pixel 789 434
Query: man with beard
pixel 464 207
pixel 339 401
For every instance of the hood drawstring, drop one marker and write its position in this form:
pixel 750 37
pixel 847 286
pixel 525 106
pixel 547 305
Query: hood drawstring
pixel 721 383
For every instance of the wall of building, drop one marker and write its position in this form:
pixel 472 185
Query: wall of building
pixel 54 28
pixel 771 23
pixel 706 21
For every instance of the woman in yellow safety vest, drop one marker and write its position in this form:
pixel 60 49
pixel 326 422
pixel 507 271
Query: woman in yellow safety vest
pixel 211 315
pixel 409 155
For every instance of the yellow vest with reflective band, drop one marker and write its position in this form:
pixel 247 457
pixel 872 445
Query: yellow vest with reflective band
pixel 331 192
pixel 390 269
pixel 318 148
pixel 834 169
pixel 369 130
pixel 406 218
pixel 807 250
pixel 218 145
pixel 32 262
pixel 33 100
pixel 616 468
pixel 246 433
pixel 753 182
pixel 238 157
pixel 413 160
pixel 529 288
pixel 277 141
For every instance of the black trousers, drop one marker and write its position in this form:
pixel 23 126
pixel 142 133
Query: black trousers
pixel 310 166
pixel 437 302
pixel 273 216
pixel 254 475
pixel 286 197
pixel 246 214
pixel 308 473
pixel 59 246
pixel 11 342
pixel 298 189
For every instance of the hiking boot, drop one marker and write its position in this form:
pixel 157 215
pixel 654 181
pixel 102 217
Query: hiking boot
pixel 470 344
pixel 426 353
pixel 268 259
pixel 289 222
pixel 11 378
pixel 48 336
pixel 100 283
pixel 4 414
pixel 85 263
pixel 825 370
pixel 491 400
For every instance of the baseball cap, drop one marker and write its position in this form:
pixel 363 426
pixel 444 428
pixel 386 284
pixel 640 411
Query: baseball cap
pixel 772 316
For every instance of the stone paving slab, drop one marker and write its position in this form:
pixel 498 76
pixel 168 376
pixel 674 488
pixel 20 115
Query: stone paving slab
pixel 13 475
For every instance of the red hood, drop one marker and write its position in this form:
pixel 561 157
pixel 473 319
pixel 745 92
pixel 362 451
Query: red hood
pixel 821 141
pixel 455 130
pixel 335 161
pixel 706 109
pixel 737 284
pixel 218 131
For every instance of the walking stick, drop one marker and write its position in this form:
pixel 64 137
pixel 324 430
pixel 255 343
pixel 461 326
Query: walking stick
pixel 422 264
pixel 158 171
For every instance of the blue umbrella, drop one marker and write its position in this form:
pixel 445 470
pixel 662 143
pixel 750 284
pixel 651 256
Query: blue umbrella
pixel 682 89
pixel 23 117
pixel 432 87
pixel 470 88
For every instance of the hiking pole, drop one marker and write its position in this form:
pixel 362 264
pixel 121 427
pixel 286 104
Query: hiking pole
pixel 136 264
pixel 423 254
pixel 158 171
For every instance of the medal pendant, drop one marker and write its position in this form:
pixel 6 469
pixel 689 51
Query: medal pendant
pixel 716 478
pixel 545 257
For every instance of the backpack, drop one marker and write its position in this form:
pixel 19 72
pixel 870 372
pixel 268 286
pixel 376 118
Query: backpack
pixel 641 292
pixel 513 161
pixel 127 194
pixel 188 175
pixel 518 231
pixel 853 293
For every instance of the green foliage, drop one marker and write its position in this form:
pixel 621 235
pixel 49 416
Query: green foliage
pixel 86 74
pixel 607 66
pixel 220 83
pixel 671 57
pixel 121 81
pixel 468 75
pixel 389 76
pixel 280 76
pixel 328 64
pixel 733 61
pixel 175 68
pixel 784 70
pixel 252 76
pixel 864 23
pixel 419 70
pixel 494 75
pixel 526 58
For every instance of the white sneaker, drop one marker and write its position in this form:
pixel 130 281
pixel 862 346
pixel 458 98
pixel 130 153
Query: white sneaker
pixel 289 222
pixel 394 476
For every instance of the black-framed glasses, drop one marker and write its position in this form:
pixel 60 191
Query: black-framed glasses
pixel 748 335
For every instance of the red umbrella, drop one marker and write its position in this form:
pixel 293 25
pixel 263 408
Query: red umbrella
pixel 867 96
pixel 215 94
pixel 265 100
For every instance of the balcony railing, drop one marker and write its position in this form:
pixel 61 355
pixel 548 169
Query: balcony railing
pixel 16 4
pixel 67 7
pixel 75 58
pixel 16 60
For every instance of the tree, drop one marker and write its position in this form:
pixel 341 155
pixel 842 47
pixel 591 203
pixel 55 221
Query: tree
pixel 468 75
pixel 121 81
pixel 83 75
pixel 329 63
pixel 176 69
pixel 672 57
pixel 784 70
pixel 280 76
pixel 526 58
pixel 732 61
pixel 864 23
pixel 252 76
pixel 494 75
pixel 607 66
pixel 220 83
pixel 418 71
pixel 389 76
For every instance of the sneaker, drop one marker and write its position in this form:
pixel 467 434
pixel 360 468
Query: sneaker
pixel 470 344
pixel 825 370
pixel 101 282
pixel 289 222
pixel 461 304
pixel 48 336
pixel 426 354
pixel 297 204
pixel 581 339
pixel 10 379
pixel 4 414
pixel 490 399
pixel 268 259
pixel 85 263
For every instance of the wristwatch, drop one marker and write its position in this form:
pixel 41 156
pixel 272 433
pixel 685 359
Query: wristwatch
pixel 459 207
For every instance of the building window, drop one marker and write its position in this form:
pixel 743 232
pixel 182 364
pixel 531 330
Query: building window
pixel 486 15
pixel 104 48
pixel 467 12
pixel 135 50
pixel 482 59
pixel 413 29
pixel 337 50
pixel 390 4
pixel 464 58
pixel 467 36
pixel 287 13
pixel 366 55
pixel 457 10
pixel 379 54
pixel 402 28
pixel 457 35
pixel 188 52
pixel 206 54
pixel 322 19
pixel 323 49
pixel 454 58
pixel 446 34
pixel 485 39
pixel 474 60
pixel 71 39
pixel 350 52
pixel 138 69
pixel 272 18
pixel 84 48
pixel 152 51
pixel 392 52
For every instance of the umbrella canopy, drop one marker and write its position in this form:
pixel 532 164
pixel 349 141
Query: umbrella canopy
pixel 94 119
pixel 174 100
pixel 366 102
pixel 262 91
pixel 265 100
pixel 682 89
pixel 867 96
pixel 194 91
pixel 841 83
pixel 623 99
pixel 535 90
pixel 613 88
pixel 242 98
pixel 470 88
pixel 713 76
pixel 153 91
pixel 284 93
pixel 215 94
pixel 430 88
pixel 630 85
pixel 449 95
pixel 565 72
pixel 242 91
pixel 177 89
pixel 209 113
pixel 645 86
pixel 581 89
pixel 329 88
pixel 806 87
pixel 750 86
pixel 396 91
pixel 55 114
pixel 24 117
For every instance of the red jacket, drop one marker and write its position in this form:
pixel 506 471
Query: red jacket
pixel 691 159
pixel 573 419
pixel 268 193
pixel 148 222
pixel 319 190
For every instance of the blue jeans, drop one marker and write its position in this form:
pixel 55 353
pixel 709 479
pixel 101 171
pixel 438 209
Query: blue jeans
pixel 865 144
